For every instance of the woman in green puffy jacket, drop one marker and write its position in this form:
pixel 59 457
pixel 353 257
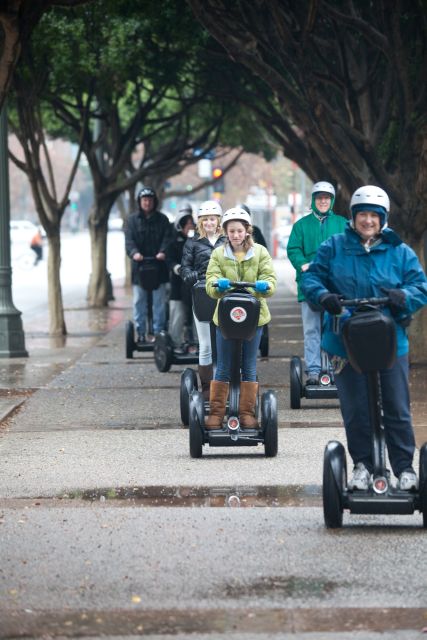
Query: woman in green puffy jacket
pixel 239 259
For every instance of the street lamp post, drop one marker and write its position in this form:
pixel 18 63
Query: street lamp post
pixel 12 341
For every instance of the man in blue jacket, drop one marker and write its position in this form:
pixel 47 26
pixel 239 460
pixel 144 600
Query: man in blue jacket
pixel 370 260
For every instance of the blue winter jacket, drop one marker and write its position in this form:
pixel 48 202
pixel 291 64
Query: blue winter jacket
pixel 343 266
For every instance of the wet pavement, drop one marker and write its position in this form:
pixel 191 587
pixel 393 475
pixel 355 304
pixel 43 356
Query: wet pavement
pixel 109 528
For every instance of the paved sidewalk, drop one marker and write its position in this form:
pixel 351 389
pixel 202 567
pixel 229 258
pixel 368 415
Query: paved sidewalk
pixel 77 415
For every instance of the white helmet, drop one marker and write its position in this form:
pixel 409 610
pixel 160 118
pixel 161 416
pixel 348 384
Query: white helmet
pixel 370 198
pixel 323 187
pixel 236 213
pixel 209 208
pixel 370 195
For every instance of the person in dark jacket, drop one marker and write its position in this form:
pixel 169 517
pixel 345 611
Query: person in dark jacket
pixel 370 260
pixel 147 235
pixel 195 260
pixel 180 314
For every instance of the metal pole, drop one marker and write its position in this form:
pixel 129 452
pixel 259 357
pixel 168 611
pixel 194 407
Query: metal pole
pixel 12 340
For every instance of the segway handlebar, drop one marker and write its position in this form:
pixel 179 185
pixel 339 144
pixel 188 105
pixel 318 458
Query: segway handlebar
pixel 234 283
pixel 356 302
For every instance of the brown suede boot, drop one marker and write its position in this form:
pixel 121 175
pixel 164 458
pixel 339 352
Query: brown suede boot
pixel 219 393
pixel 205 375
pixel 247 402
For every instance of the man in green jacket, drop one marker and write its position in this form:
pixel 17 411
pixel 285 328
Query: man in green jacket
pixel 306 236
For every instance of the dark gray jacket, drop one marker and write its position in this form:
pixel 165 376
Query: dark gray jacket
pixel 148 235
pixel 196 256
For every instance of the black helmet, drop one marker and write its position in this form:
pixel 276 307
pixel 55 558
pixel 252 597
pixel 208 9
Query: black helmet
pixel 146 192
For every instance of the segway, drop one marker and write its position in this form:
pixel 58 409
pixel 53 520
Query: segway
pixel 204 308
pixel 165 355
pixel 298 389
pixel 370 340
pixel 148 272
pixel 238 315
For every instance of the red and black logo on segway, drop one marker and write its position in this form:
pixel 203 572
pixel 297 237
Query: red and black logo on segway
pixel 238 314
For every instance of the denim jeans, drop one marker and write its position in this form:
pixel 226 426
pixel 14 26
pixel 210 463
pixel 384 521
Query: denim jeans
pixel 140 309
pixel 353 395
pixel 249 354
pixel 311 323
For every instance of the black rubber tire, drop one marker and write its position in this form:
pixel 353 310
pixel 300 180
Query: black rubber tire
pixel 196 425
pixel 331 489
pixel 264 343
pixel 295 381
pixel 188 385
pixel 163 352
pixel 423 483
pixel 130 339
pixel 269 423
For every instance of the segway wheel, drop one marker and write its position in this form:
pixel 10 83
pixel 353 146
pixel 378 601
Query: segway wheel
pixel 163 351
pixel 188 385
pixel 334 483
pixel 197 419
pixel 264 343
pixel 423 483
pixel 130 339
pixel 295 375
pixel 269 423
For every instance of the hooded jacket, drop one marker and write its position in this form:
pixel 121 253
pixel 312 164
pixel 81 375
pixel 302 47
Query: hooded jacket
pixel 306 236
pixel 343 266
pixel 148 235
pixel 257 265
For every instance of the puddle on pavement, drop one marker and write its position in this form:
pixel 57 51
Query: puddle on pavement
pixel 137 621
pixel 162 496
pixel 283 586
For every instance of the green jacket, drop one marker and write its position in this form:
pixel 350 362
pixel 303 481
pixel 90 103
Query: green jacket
pixel 257 265
pixel 307 235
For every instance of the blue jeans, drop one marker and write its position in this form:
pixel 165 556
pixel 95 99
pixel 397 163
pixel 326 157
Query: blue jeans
pixel 353 394
pixel 140 309
pixel 249 354
pixel 311 323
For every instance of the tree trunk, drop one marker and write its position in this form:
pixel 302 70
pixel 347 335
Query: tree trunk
pixel 56 308
pixel 99 290
pixel 418 328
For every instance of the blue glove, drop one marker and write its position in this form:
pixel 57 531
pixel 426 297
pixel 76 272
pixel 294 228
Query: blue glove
pixel 261 285
pixel 223 284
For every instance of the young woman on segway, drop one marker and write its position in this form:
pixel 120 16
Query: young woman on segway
pixel 369 260
pixel 239 259
pixel 195 259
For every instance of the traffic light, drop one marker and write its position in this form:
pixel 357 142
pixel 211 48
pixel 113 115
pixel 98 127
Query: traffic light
pixel 218 175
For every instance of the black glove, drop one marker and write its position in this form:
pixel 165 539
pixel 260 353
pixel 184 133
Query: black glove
pixel 397 300
pixel 331 302
pixel 192 278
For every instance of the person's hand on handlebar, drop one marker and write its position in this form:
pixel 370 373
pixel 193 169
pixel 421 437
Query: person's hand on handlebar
pixel 397 300
pixel 261 286
pixel 223 284
pixel 331 303
pixel 138 257
pixel 160 256
pixel 191 278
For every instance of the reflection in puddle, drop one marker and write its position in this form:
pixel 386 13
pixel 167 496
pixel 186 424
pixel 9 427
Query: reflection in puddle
pixel 258 496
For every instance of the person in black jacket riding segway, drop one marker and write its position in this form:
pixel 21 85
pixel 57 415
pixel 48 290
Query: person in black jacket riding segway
pixel 195 260
pixel 180 314
pixel 148 234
